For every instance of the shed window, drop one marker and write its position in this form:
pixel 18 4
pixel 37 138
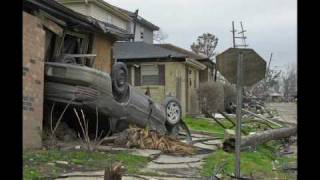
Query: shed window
pixel 150 75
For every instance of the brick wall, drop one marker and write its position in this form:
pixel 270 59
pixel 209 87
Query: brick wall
pixel 33 79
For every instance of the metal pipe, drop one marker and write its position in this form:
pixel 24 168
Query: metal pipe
pixel 239 107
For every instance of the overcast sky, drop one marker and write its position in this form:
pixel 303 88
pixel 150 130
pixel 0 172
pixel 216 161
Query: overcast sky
pixel 271 24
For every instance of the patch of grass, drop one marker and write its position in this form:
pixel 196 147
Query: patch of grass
pixel 205 125
pixel 42 163
pixel 257 163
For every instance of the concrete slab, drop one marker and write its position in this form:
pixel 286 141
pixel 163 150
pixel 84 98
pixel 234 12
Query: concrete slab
pixel 146 152
pixel 206 146
pixel 159 167
pixel 170 159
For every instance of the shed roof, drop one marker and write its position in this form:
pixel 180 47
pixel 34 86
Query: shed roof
pixel 142 50
pixel 203 59
pixel 183 51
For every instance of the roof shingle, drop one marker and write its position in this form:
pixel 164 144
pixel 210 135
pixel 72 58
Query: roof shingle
pixel 142 50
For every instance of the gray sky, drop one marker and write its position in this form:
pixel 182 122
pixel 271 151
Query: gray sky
pixel 271 24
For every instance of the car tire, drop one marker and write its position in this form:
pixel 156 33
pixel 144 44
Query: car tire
pixel 173 110
pixel 119 77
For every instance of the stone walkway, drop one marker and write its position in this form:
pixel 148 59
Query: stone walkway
pixel 167 167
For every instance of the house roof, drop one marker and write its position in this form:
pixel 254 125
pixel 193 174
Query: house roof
pixel 72 18
pixel 140 19
pixel 190 54
pixel 203 59
pixel 101 3
pixel 142 50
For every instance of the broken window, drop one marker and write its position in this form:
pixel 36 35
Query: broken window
pixel 72 48
pixel 49 45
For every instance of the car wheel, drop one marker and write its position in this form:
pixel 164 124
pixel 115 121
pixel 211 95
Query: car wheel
pixel 119 76
pixel 173 110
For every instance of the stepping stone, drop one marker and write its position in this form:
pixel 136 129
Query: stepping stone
pixel 206 146
pixel 213 142
pixel 86 173
pixel 146 152
pixel 169 159
pixel 82 178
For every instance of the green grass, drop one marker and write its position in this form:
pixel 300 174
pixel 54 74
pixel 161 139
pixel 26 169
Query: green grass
pixel 205 125
pixel 36 162
pixel 258 162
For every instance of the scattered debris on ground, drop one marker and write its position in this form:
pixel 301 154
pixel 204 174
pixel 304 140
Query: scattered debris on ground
pixel 148 139
pixel 145 154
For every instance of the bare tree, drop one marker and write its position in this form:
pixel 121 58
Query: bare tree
pixel 160 36
pixel 84 124
pixel 205 45
pixel 270 82
pixel 289 80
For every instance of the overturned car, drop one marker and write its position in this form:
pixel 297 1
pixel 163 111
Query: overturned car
pixel 113 96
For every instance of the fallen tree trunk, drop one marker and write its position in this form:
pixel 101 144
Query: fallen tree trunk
pixel 260 138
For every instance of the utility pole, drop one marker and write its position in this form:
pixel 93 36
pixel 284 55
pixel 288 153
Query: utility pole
pixel 243 37
pixel 240 90
pixel 233 35
pixel 269 63
pixel 238 115
pixel 266 76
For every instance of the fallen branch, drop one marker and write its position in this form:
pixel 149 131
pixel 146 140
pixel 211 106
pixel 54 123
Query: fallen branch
pixel 230 120
pixel 260 138
pixel 227 118
pixel 257 121
pixel 216 120
pixel 260 117
pixel 217 170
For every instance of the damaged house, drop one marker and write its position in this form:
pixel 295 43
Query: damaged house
pixel 124 19
pixel 55 33
pixel 163 70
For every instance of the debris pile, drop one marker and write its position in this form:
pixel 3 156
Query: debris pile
pixel 148 139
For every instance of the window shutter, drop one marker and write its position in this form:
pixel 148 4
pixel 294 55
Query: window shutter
pixel 137 76
pixel 162 77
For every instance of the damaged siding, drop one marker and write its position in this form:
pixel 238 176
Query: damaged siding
pixel 175 83
pixel 33 79
pixel 102 48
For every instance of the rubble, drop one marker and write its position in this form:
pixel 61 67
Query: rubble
pixel 148 139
